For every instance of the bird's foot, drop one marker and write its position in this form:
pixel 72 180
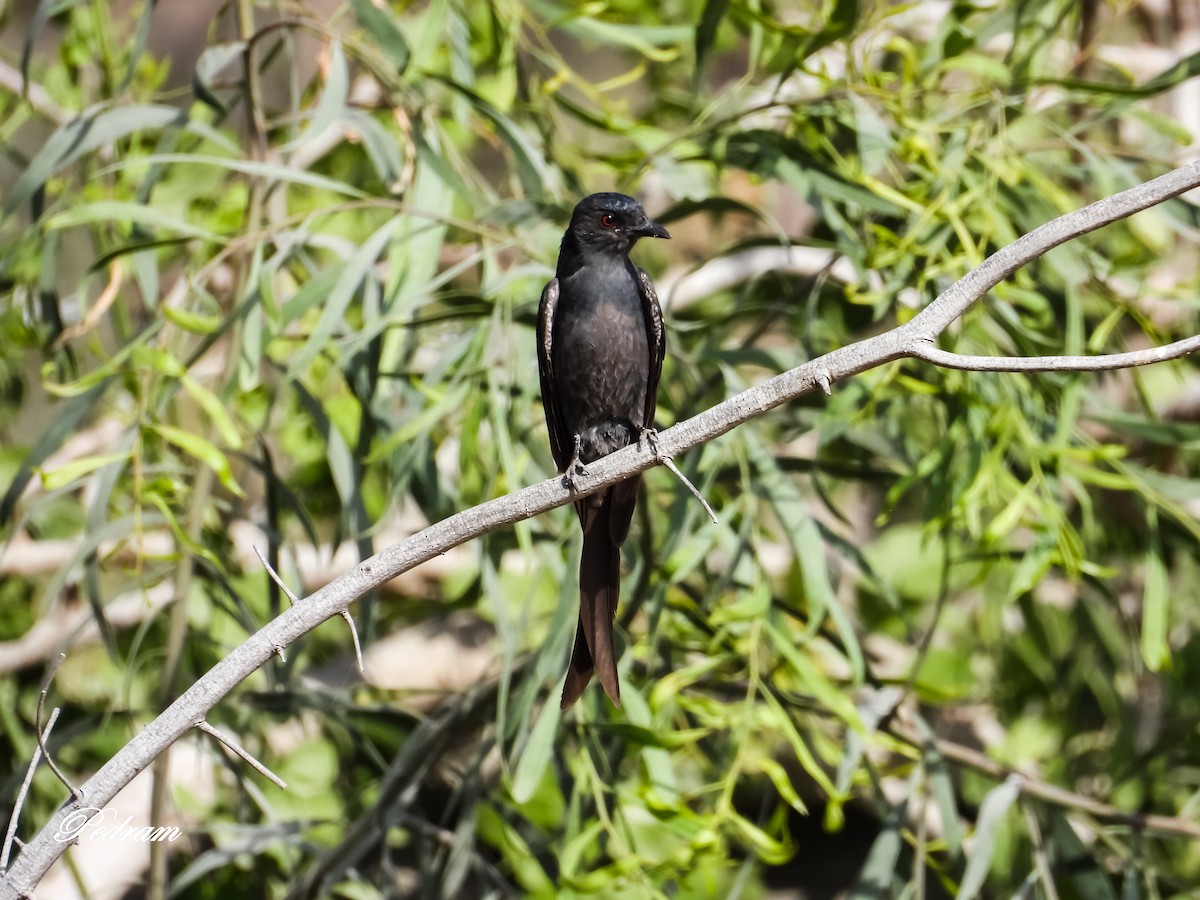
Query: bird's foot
pixel 650 436
pixel 575 466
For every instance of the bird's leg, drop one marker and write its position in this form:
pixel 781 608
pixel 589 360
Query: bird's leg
pixel 575 466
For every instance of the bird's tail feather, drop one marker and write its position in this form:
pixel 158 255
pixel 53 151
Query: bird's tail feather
pixel 599 590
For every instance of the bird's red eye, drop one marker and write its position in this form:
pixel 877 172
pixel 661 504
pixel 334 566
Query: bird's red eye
pixel 608 220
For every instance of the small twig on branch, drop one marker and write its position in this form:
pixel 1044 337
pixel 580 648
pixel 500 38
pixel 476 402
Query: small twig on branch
pixel 279 651
pixel 11 834
pixel 345 613
pixel 274 575
pixel 670 464
pixel 244 754
pixel 354 636
pixel 651 436
pixel 76 793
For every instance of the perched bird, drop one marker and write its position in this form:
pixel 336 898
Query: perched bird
pixel 600 352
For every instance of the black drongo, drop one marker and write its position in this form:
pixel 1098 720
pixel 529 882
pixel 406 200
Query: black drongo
pixel 600 351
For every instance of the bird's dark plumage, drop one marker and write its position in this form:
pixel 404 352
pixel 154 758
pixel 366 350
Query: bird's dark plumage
pixel 600 352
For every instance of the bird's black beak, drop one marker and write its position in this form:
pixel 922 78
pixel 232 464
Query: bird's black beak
pixel 652 229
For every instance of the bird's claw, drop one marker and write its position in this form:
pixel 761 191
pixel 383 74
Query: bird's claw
pixel 575 466
pixel 650 436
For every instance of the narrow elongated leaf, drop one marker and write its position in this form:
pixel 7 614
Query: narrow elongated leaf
pixel 138 44
pixel 382 27
pixel 1156 595
pixel 875 878
pixel 89 544
pixel 62 423
pixel 204 451
pixel 1085 876
pixel 213 62
pixel 333 98
pixel 134 213
pixel 270 171
pixel 80 137
pixel 214 409
pixel 706 32
pixel 992 811
pixel 53 479
pixel 357 267
pixel 536 177
pixel 380 144
pixel 537 753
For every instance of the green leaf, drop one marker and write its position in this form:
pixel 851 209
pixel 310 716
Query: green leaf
pixel 269 171
pixel 663 791
pixel 992 811
pixel 350 276
pixel 53 479
pixel 840 24
pixel 639 736
pixel 380 145
pixel 706 32
pixel 875 878
pixel 62 423
pixel 805 539
pixel 214 409
pixel 379 23
pixel 537 753
pixel 212 62
pixel 196 323
pixel 134 213
pixel 783 783
pixel 941 785
pixel 333 99
pixel 1156 598
pixel 537 179
pixel 1185 69
pixel 768 849
pixel 202 450
pixel 80 137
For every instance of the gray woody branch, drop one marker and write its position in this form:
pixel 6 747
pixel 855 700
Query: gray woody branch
pixel 914 339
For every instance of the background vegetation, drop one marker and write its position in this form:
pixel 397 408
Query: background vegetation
pixel 292 306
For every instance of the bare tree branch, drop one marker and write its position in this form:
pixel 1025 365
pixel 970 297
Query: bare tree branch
pixel 1049 793
pixel 948 360
pixel 907 341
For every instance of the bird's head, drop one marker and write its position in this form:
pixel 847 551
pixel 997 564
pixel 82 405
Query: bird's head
pixel 611 223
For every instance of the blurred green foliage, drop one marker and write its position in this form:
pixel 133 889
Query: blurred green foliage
pixel 304 300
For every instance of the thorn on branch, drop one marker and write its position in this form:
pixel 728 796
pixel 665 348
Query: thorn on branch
pixel 358 658
pixel 275 576
pixel 239 751
pixel 10 836
pixel 76 793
